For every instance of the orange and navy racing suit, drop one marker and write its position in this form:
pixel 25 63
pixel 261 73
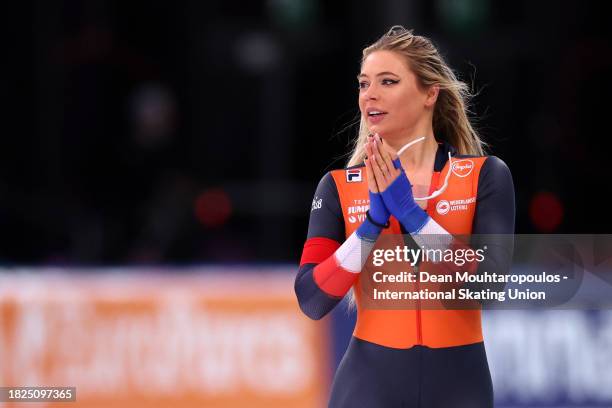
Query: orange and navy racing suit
pixel 408 358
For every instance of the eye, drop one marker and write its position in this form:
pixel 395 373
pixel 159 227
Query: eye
pixel 389 81
pixel 362 85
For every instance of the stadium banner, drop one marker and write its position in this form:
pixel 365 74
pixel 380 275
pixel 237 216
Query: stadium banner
pixel 180 337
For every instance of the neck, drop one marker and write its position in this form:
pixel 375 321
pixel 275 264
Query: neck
pixel 418 155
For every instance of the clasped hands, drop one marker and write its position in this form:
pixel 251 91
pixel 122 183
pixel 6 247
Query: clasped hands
pixel 389 188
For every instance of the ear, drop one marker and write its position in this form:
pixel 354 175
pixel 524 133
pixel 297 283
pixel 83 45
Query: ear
pixel 432 95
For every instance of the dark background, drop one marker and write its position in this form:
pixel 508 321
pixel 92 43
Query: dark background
pixel 181 132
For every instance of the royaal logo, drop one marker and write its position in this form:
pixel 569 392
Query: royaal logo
pixel 462 168
pixel 445 206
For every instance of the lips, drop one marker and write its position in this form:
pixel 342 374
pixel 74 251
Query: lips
pixel 376 118
pixel 375 115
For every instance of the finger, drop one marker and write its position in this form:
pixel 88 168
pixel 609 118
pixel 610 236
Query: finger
pixel 374 185
pixel 369 151
pixel 370 177
pixel 381 181
pixel 384 150
pixel 388 159
pixel 384 168
pixel 383 176
pixel 378 178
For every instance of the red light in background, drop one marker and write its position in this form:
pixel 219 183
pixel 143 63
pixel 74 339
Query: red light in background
pixel 213 207
pixel 546 211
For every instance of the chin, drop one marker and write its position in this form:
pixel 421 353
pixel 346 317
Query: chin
pixel 377 129
pixel 385 133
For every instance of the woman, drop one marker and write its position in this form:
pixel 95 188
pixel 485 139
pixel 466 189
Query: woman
pixel 416 152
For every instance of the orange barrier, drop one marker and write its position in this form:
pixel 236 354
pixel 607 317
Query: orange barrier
pixel 125 338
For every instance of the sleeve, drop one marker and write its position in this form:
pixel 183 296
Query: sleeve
pixel 493 223
pixel 325 234
pixel 495 210
pixel 326 219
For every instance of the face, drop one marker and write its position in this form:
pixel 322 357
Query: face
pixel 390 98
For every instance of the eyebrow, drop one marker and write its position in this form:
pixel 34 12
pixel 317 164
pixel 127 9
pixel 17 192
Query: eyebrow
pixel 361 75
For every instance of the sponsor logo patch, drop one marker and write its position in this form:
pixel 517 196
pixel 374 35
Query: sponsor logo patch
pixel 462 168
pixel 316 203
pixel 445 206
pixel 353 176
pixel 357 213
pixel 442 207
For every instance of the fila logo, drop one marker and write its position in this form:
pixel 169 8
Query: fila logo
pixel 353 176
pixel 463 168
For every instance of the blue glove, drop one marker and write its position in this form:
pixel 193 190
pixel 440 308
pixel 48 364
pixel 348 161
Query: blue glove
pixel 399 200
pixel 377 213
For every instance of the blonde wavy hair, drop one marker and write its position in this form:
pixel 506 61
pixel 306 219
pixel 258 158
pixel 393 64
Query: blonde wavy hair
pixel 450 118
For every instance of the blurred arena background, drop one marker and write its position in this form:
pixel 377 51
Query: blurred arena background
pixel 157 170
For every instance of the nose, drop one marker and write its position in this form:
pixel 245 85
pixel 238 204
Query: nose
pixel 370 93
